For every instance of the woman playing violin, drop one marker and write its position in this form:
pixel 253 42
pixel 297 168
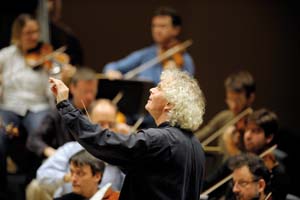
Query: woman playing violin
pixel 25 97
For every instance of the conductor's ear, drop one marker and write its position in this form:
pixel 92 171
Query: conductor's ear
pixel 168 107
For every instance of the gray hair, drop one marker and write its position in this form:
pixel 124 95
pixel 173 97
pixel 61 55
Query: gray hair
pixel 184 93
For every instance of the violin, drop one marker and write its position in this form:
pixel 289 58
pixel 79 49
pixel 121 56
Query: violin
pixel 111 194
pixel 233 137
pixel 270 160
pixel 235 120
pixel 176 60
pixel 9 129
pixel 43 56
pixel 160 58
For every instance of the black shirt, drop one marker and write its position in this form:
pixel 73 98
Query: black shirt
pixel 71 196
pixel 160 163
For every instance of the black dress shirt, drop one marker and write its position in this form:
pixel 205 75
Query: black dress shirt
pixel 164 163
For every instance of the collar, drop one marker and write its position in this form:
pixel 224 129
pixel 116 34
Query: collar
pixel 164 124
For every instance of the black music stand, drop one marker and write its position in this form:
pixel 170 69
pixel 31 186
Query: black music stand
pixel 135 94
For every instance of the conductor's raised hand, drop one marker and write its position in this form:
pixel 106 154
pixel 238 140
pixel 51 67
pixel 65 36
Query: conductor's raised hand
pixel 59 89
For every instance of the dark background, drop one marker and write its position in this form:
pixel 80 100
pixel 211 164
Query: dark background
pixel 260 36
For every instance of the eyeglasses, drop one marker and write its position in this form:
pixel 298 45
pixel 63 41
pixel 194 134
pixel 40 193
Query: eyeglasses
pixel 28 33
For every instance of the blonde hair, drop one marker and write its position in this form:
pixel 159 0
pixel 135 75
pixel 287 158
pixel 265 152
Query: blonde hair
pixel 18 26
pixel 184 93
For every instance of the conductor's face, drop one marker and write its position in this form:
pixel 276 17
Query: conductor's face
pixel 157 102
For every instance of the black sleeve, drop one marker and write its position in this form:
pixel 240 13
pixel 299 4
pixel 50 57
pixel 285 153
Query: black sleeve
pixel 70 196
pixel 280 183
pixel 117 149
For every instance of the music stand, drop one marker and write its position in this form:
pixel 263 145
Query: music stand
pixel 135 94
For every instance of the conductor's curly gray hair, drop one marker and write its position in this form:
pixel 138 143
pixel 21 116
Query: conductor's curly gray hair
pixel 184 93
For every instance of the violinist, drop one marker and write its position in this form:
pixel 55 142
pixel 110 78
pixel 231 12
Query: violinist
pixel 240 94
pixel 166 27
pixel 52 133
pixel 25 97
pixel 260 129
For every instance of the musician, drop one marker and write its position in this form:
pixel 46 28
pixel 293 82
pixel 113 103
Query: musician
pixel 166 162
pixel 25 94
pixel 260 133
pixel 240 94
pixel 251 178
pixel 166 27
pixel 52 133
pixel 53 175
pixel 86 174
pixel 260 130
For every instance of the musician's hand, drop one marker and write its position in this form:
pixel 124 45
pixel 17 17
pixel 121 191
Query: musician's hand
pixel 122 128
pixel 270 161
pixel 231 139
pixel 114 74
pixel 49 151
pixel 59 89
pixel 67 178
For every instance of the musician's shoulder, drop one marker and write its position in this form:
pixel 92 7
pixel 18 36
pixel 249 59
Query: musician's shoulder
pixel 152 47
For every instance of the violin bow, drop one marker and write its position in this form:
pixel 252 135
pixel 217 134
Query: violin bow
pixel 137 124
pixel 118 97
pixel 221 130
pixel 180 47
pixel 268 196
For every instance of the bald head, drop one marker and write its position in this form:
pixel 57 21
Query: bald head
pixel 104 113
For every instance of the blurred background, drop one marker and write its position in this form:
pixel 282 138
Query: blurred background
pixel 261 36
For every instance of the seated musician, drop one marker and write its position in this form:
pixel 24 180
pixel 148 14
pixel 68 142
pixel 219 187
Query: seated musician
pixel 251 178
pixel 52 132
pixel 86 174
pixel 25 94
pixel 53 175
pixel 166 27
pixel 260 129
pixel 240 94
